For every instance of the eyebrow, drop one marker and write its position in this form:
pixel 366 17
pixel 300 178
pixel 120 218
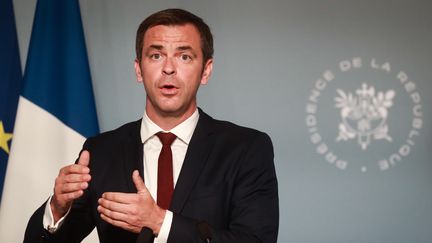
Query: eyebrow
pixel 187 48
pixel 157 47
pixel 180 48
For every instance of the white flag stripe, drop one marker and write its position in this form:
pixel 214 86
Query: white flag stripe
pixel 42 145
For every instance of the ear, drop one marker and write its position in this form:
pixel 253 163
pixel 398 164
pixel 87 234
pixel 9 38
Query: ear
pixel 138 71
pixel 207 71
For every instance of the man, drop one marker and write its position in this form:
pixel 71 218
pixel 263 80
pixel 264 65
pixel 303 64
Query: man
pixel 212 182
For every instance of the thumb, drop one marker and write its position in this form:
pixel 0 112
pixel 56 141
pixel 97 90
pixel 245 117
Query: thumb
pixel 84 158
pixel 138 181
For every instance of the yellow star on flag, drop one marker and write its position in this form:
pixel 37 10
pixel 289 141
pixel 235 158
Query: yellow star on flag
pixel 4 138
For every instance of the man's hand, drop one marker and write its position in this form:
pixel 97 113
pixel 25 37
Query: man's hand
pixel 69 185
pixel 132 211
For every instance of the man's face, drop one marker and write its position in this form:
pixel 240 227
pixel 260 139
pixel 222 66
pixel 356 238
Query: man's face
pixel 172 69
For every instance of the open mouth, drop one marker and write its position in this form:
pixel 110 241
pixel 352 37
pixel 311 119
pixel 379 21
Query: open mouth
pixel 168 86
pixel 169 89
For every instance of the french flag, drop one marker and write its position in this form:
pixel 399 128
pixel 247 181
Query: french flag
pixel 56 113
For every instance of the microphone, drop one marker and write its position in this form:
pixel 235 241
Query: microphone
pixel 204 232
pixel 145 236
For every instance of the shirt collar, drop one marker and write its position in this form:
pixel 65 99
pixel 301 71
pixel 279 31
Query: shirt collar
pixel 183 131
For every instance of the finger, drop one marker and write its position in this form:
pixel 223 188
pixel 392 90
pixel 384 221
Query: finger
pixel 120 224
pixel 119 216
pixel 67 197
pixel 138 181
pixel 116 218
pixel 70 178
pixel 84 158
pixel 120 197
pixel 74 169
pixel 72 187
pixel 114 206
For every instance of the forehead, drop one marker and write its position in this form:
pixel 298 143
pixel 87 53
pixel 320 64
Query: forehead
pixel 172 34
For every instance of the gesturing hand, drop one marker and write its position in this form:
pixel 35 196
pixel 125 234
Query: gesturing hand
pixel 132 211
pixel 69 185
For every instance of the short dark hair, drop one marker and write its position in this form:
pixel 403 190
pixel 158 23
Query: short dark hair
pixel 174 17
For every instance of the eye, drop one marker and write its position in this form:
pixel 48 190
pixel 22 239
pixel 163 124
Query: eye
pixel 156 56
pixel 185 58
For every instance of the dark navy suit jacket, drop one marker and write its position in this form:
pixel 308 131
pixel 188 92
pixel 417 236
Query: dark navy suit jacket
pixel 227 181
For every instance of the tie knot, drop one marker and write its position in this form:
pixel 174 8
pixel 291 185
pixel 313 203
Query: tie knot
pixel 166 138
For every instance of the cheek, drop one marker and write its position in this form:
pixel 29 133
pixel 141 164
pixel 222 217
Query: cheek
pixel 150 82
pixel 190 75
pixel 149 68
pixel 150 76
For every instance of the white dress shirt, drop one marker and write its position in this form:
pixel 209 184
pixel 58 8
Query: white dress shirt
pixel 151 147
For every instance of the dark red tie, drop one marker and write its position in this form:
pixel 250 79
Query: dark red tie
pixel 165 186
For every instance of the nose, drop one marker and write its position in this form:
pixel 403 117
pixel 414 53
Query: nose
pixel 169 67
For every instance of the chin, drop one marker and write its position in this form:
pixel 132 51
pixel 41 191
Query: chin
pixel 171 111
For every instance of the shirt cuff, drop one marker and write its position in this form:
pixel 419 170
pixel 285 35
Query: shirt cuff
pixel 48 218
pixel 165 229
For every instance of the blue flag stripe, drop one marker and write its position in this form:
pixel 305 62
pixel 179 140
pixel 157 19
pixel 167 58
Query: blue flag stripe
pixel 57 75
pixel 10 66
pixel 10 77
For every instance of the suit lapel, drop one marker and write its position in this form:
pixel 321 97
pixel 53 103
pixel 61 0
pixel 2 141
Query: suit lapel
pixel 133 155
pixel 195 160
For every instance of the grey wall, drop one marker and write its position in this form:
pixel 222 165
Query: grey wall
pixel 269 56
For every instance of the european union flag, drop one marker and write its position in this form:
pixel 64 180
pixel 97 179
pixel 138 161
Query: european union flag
pixel 56 113
pixel 10 82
